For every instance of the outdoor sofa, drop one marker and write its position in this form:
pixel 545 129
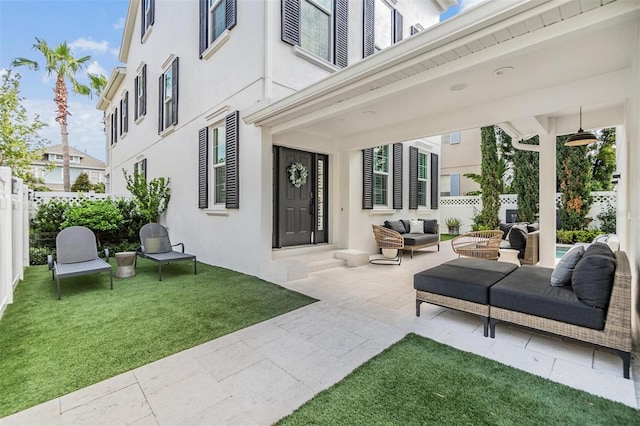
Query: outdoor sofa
pixel 413 239
pixel 525 238
pixel 594 307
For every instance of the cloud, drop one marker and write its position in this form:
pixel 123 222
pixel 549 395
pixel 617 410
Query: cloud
pixel 115 52
pixel 3 71
pixel 88 45
pixel 95 68
pixel 119 24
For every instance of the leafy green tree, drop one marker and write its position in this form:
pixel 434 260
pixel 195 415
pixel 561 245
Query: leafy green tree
pixel 152 197
pixel 82 183
pixel 488 217
pixel 604 160
pixel 100 216
pixel 98 82
pixel 573 169
pixel 20 143
pixel 60 62
pixel 526 180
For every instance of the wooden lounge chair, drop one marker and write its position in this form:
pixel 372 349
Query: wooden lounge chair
pixel 478 244
pixel 156 246
pixel 77 254
pixel 388 239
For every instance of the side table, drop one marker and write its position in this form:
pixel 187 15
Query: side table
pixel 510 256
pixel 125 261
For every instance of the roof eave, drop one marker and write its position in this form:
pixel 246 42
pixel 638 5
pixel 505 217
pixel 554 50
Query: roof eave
pixel 127 34
pixel 117 75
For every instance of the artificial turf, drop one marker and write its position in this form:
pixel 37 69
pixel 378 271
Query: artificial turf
pixel 51 347
pixel 418 382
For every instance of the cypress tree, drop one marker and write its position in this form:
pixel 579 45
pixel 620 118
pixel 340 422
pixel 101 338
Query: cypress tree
pixel 488 218
pixel 526 181
pixel 604 160
pixel 573 169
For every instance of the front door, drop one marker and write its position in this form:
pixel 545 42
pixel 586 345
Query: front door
pixel 299 197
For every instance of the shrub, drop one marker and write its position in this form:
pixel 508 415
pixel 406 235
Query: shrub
pixel 82 183
pixel 50 216
pixel 38 255
pixel 571 237
pixel 100 216
pixel 608 220
pixel 151 197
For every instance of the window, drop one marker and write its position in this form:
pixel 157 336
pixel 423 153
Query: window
pixel 37 172
pixel 216 16
pixel 382 26
pixel 451 138
pixel 55 157
pixel 141 167
pixel 380 175
pixel 320 27
pixel 218 177
pixel 124 114
pixel 95 176
pixel 140 87
pixel 422 179
pixel 218 167
pixel 168 108
pixel 148 12
pixel 114 126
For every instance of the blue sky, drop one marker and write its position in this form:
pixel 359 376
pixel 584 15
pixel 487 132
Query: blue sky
pixel 90 27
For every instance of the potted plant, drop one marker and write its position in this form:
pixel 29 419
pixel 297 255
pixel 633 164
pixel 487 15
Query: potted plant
pixel 454 224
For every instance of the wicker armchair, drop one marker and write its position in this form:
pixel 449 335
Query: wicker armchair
pixel 388 239
pixel 478 244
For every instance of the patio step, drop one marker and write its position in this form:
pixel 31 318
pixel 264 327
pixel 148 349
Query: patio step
pixel 324 264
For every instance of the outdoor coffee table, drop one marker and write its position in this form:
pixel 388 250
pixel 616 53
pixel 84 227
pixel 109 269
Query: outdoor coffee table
pixel 509 255
pixel 125 261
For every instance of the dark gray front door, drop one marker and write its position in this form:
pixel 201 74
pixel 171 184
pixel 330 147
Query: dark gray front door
pixel 295 205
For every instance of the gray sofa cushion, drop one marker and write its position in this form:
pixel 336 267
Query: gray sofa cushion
pixel 564 269
pixel 505 228
pixel 527 290
pixel 419 239
pixel 518 239
pixel 430 226
pixel 592 279
pixel 454 279
pixel 599 249
pixel 396 225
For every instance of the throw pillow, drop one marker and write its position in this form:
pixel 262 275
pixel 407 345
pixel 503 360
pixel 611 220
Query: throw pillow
pixel 599 249
pixel 505 228
pixel 430 226
pixel 564 269
pixel 416 227
pixel 396 225
pixel 535 226
pixel 592 280
pixel 518 238
pixel 407 226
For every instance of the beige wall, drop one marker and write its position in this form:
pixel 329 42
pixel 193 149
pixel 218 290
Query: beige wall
pixel 462 158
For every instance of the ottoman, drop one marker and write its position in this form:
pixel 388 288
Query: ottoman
pixel 462 284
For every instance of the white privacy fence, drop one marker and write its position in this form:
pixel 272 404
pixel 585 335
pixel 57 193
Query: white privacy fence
pixel 14 234
pixel 466 207
pixel 40 198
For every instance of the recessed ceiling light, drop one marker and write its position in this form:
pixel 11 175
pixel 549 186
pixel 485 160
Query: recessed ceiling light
pixel 458 87
pixel 502 71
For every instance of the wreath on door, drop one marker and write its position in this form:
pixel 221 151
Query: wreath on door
pixel 298 174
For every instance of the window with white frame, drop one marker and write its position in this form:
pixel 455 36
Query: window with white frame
pixel 140 86
pixel 381 175
pixel 124 114
pixel 423 179
pixel 168 97
pixel 147 11
pixel 383 25
pixel 217 19
pixel 451 138
pixel 37 172
pixel 95 176
pixel 141 168
pixel 218 165
pixel 316 27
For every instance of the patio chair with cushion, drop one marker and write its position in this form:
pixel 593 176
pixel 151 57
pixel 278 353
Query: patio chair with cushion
pixel 478 244
pixel 77 254
pixel 390 243
pixel 156 246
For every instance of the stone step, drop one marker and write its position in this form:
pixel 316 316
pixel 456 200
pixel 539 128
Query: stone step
pixel 324 264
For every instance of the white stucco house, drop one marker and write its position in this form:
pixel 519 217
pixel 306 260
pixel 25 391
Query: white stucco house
pixel 324 82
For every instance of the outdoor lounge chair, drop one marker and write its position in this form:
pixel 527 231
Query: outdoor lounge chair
pixel 388 240
pixel 156 246
pixel 478 244
pixel 77 254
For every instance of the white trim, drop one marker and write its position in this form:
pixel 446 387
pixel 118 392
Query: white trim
pixel 322 63
pixel 218 115
pixel 382 212
pixel 216 211
pixel 217 44
pixel 147 33
pixel 168 130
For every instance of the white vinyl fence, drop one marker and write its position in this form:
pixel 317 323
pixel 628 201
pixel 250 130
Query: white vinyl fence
pixel 14 234
pixel 466 207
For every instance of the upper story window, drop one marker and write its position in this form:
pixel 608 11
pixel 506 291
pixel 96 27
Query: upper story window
pixel 113 130
pixel 381 175
pixel 319 27
pixel 382 26
pixel 148 12
pixel 95 176
pixel 451 138
pixel 140 88
pixel 58 158
pixel 216 16
pixel 124 114
pixel 168 108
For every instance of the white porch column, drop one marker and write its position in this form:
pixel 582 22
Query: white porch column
pixel 548 197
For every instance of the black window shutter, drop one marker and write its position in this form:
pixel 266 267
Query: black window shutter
pixel 125 119
pixel 342 33
pixel 414 30
pixel 115 125
pixel 174 92
pixel 435 176
pixel 204 25
pixel 136 83
pixel 144 90
pixel 413 178
pixel 144 168
pixel 368 36
pixel 153 12
pixel 397 24
pixel 367 178
pixel 231 17
pixel 291 21
pixel 397 176
pixel 232 151
pixel 121 117
pixel 143 23
pixel 160 103
pixel 203 169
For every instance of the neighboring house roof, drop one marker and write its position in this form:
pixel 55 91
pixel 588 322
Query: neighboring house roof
pixel 86 161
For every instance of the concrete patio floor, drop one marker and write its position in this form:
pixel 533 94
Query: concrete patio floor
pixel 264 372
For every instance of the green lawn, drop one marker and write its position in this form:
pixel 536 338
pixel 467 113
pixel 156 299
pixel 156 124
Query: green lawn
pixel 446 237
pixel 421 382
pixel 51 347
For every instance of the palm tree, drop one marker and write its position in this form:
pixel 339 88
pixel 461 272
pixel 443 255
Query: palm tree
pixel 64 65
pixel 98 82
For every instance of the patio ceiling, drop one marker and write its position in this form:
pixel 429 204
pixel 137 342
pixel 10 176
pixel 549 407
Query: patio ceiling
pixel 563 54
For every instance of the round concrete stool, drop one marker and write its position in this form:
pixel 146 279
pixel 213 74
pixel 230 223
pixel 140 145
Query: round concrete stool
pixel 125 264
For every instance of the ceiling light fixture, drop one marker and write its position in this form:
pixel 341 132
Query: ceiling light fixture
pixel 458 87
pixel 503 70
pixel 581 137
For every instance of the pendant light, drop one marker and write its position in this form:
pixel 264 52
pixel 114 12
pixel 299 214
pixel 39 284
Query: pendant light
pixel 581 137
